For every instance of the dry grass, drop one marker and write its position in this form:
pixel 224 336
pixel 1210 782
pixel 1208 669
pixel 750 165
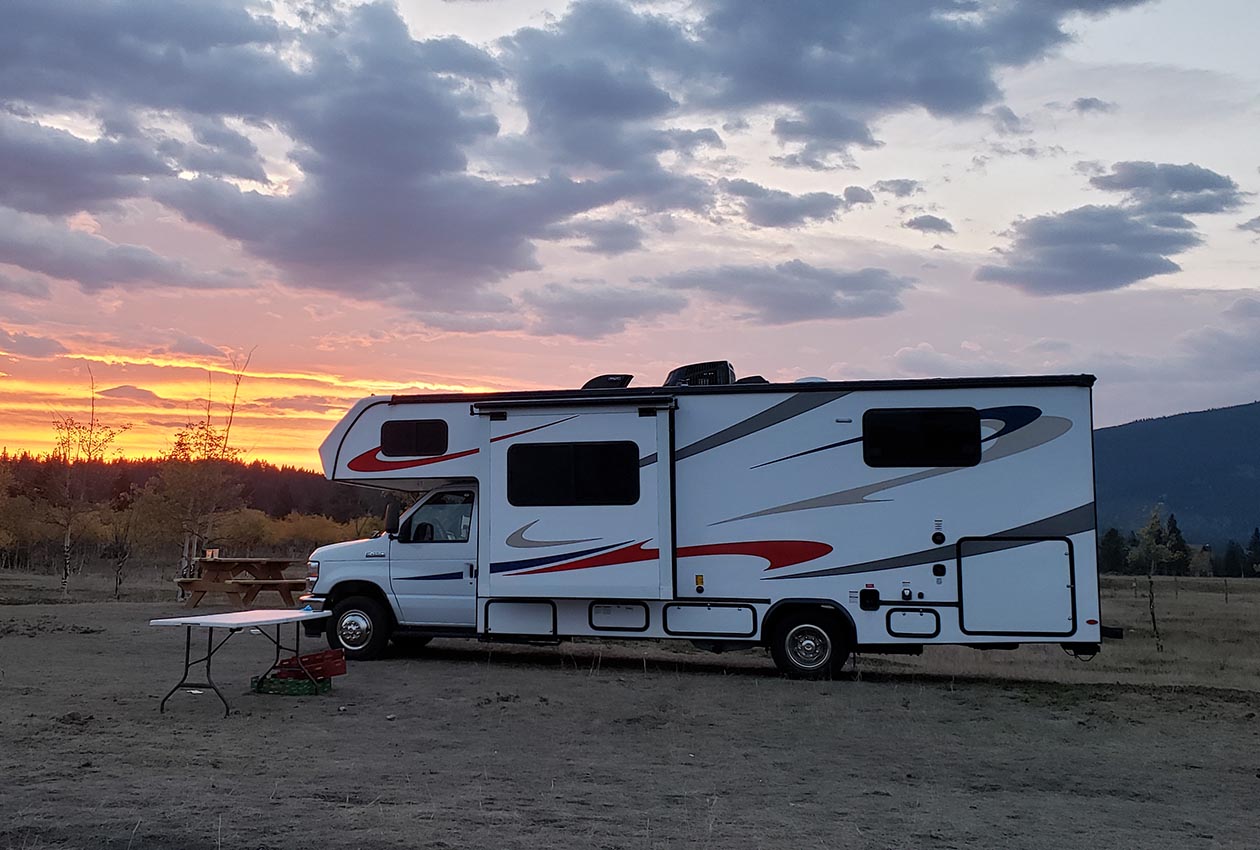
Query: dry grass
pixel 1208 642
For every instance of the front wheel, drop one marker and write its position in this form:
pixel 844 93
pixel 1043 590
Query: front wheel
pixel 360 625
pixel 808 646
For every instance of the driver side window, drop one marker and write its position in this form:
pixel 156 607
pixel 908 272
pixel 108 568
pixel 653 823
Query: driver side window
pixel 444 518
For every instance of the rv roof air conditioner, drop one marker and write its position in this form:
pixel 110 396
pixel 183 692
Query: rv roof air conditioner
pixel 713 373
pixel 608 382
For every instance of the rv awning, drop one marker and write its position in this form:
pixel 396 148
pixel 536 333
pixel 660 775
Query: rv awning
pixel 654 402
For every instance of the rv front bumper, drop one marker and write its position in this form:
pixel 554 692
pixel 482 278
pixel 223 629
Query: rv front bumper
pixel 313 628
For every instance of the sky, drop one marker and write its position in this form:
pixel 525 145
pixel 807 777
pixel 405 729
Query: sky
pixel 438 195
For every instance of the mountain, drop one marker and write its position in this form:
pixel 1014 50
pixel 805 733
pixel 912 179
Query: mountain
pixel 1203 466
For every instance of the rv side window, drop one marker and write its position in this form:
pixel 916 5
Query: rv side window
pixel 573 474
pixel 414 437
pixel 921 436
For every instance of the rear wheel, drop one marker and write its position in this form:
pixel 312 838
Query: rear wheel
pixel 808 645
pixel 360 625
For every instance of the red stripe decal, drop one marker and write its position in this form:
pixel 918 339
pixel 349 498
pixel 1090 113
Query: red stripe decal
pixel 779 553
pixel 632 554
pixel 369 462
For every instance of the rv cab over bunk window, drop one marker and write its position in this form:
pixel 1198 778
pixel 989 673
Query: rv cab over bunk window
pixel 414 437
pixel 573 474
pixel 921 437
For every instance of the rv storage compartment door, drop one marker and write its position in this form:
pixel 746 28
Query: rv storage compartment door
pixel 578 508
pixel 1016 586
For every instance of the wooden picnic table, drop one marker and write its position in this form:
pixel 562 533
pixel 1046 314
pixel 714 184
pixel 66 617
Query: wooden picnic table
pixel 241 579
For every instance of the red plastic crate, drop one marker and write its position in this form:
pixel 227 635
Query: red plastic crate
pixel 321 665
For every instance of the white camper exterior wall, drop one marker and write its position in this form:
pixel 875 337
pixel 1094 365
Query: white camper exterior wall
pixel 751 497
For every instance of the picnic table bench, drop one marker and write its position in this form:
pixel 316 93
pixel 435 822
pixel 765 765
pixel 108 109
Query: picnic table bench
pixel 241 579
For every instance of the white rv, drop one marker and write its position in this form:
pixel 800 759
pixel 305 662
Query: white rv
pixel 815 518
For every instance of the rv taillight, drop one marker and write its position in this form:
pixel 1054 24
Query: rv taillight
pixel 1091 622
pixel 870 585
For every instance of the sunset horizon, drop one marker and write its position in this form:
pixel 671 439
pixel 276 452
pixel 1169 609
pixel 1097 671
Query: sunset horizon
pixel 458 196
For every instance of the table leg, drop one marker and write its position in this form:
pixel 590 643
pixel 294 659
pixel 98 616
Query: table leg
pixel 189 663
pixel 296 650
pixel 195 599
pixel 248 598
pixel 286 596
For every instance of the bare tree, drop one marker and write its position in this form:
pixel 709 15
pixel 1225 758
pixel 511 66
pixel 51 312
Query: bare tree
pixel 196 480
pixel 1149 553
pixel 79 445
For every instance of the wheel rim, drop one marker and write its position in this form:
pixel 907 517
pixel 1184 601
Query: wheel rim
pixel 354 629
pixel 808 646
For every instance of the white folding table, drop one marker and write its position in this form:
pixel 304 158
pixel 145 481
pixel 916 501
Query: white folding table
pixel 234 622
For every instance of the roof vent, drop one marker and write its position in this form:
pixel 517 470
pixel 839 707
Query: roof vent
pixel 608 382
pixel 811 380
pixel 713 373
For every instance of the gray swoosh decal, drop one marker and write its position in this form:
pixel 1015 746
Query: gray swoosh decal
pixel 1060 525
pixel 1036 433
pixel 781 412
pixel 518 540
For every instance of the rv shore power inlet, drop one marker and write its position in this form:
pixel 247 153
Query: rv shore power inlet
pixel 699 583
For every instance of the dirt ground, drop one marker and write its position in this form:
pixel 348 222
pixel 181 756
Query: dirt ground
pixel 606 746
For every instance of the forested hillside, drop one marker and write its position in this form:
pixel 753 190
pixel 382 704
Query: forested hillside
pixel 1203 466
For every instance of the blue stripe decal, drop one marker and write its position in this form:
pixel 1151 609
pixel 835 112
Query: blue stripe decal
pixel 504 566
pixel 435 577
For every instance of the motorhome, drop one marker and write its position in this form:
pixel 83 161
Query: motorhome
pixel 815 518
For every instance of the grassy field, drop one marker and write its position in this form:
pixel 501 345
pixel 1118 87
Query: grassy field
pixel 1210 639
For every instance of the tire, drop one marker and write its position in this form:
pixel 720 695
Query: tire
pixel 411 643
pixel 809 645
pixel 360 625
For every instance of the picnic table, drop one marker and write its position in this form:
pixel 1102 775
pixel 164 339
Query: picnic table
pixel 234 622
pixel 242 579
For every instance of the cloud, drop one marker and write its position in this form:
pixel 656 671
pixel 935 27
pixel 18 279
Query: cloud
pixel 305 403
pixel 929 224
pixel 43 246
pixel 610 237
pixel 134 393
pixel 1096 248
pixel 1087 105
pixel 1167 188
pixel 1088 249
pixel 1006 122
pixel 925 361
pixel 186 344
pixel 1252 224
pixel 776 208
pixel 797 292
pixel 854 195
pixel 898 188
pixel 1245 309
pixel 29 345
pixel 825 135
pixel 28 285
pixel 594 311
pixel 49 171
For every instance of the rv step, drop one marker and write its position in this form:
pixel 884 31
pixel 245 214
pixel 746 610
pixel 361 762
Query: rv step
pixel 1111 632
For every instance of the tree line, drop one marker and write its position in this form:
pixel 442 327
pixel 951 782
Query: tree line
pixel 1160 548
pixel 75 508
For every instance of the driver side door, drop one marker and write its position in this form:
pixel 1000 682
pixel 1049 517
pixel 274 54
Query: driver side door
pixel 432 561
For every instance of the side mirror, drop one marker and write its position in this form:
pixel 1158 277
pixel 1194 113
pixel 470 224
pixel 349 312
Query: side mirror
pixel 391 518
pixel 424 532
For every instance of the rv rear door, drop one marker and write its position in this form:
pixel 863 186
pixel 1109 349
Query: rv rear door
pixel 576 506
